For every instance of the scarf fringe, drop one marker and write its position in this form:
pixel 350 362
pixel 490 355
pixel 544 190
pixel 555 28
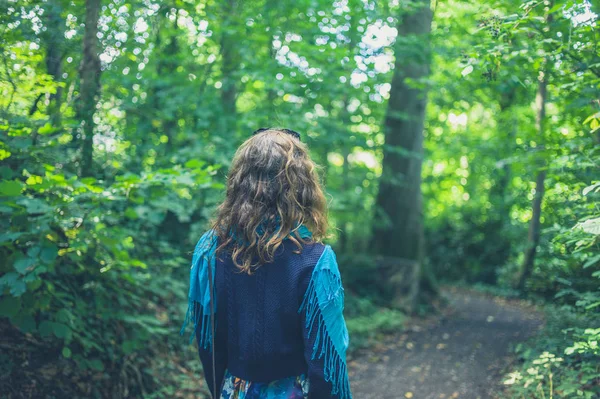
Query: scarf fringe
pixel 199 310
pixel 324 297
pixel 194 315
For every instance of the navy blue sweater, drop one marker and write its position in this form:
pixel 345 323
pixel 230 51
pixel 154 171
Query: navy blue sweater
pixel 260 334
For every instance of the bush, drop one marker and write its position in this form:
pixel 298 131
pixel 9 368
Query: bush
pixel 366 321
pixel 563 361
pixel 85 283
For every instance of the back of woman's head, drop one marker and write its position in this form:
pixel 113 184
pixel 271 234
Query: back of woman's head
pixel 272 189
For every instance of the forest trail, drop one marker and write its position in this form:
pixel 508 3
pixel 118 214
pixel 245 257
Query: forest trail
pixel 459 355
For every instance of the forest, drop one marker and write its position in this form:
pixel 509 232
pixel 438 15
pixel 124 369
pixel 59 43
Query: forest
pixel 458 143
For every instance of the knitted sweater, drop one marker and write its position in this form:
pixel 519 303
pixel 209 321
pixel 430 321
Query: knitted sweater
pixel 283 320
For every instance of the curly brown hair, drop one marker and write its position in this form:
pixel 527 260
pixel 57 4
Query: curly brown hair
pixel 272 188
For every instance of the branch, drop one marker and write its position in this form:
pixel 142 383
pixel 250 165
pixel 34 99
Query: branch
pixel 570 54
pixel 34 106
pixel 578 59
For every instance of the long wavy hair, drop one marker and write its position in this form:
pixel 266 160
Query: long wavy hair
pixel 272 189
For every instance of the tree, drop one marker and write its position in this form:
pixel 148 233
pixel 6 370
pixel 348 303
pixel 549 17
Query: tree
pixel 400 233
pixel 54 38
pixel 230 64
pixel 89 89
pixel 533 236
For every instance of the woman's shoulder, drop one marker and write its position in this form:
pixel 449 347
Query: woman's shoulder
pixel 318 257
pixel 208 237
pixel 310 253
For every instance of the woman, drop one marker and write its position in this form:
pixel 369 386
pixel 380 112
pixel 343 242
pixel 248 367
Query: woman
pixel 277 329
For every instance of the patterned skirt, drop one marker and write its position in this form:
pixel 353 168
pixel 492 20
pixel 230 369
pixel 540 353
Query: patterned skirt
pixel 285 388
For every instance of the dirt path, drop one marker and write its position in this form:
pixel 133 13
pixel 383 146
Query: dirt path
pixel 461 355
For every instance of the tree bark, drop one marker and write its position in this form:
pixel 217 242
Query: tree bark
pixel 230 59
pixel 54 38
pixel 398 229
pixel 343 237
pixel 533 237
pixel 89 89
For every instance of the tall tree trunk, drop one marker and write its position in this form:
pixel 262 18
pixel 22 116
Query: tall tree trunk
pixel 533 237
pixel 343 237
pixel 168 67
pixel 345 118
pixel 89 89
pixel 324 155
pixel 229 65
pixel 270 13
pixel 400 234
pixel 54 37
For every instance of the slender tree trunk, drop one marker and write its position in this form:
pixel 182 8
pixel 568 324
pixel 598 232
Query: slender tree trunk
pixel 398 231
pixel 54 38
pixel 169 66
pixel 271 94
pixel 89 88
pixel 270 12
pixel 324 154
pixel 533 237
pixel 229 66
pixel 344 188
pixel 344 117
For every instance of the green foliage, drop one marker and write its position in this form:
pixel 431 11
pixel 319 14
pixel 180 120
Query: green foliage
pixel 79 260
pixel 562 361
pixel 367 322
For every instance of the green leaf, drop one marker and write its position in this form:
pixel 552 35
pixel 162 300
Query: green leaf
pixel 34 251
pixel 468 69
pixel 6 209
pixel 64 316
pixel 593 187
pixel 591 226
pixel 591 117
pixel 194 163
pixel 25 322
pixel 61 330
pixel 45 328
pixel 129 346
pixel 8 279
pixel 18 288
pixel 591 261
pixel 9 237
pixel 185 180
pixel 14 283
pixel 22 264
pixel 66 352
pixel 47 129
pixel 48 254
pixel 11 188
pixel 9 306
pixel 34 205
pixel 131 213
pixel 96 364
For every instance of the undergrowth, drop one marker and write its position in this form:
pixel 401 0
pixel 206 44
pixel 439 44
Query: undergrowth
pixel 562 361
pixel 366 321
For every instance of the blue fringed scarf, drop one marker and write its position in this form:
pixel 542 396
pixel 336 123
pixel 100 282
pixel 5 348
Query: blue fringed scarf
pixel 323 303
pixel 199 294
